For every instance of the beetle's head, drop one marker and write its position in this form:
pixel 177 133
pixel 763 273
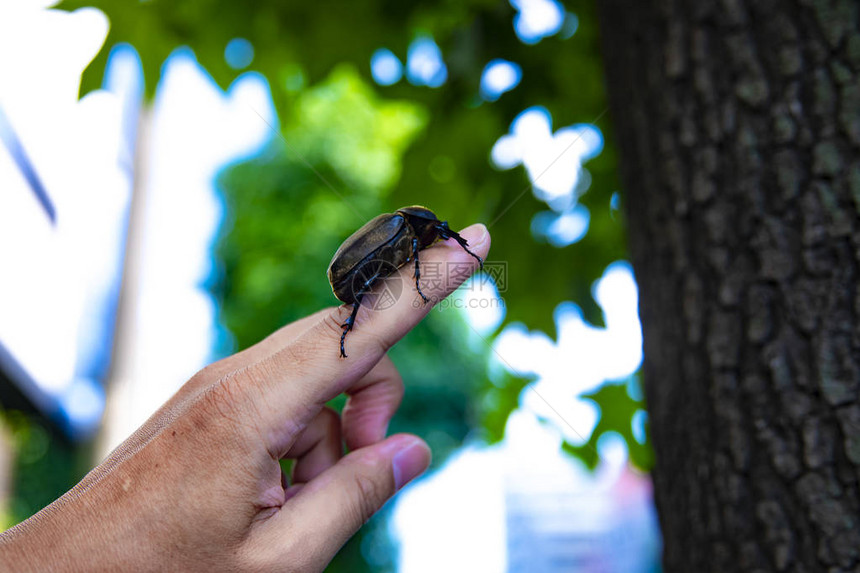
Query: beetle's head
pixel 445 232
pixel 424 222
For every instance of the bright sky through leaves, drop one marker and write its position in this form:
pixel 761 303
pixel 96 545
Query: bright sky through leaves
pixel 537 19
pixel 424 65
pixel 561 229
pixel 239 53
pixel 553 161
pixel 385 67
pixel 499 76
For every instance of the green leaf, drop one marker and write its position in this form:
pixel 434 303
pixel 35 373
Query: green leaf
pixel 617 410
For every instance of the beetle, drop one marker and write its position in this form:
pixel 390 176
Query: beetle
pixel 379 248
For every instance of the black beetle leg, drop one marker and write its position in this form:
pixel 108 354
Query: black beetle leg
pixel 417 269
pixel 446 233
pixel 347 326
pixel 350 322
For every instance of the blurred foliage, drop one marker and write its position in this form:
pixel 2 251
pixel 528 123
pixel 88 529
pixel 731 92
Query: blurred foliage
pixel 618 406
pixel 498 400
pixel 45 464
pixel 348 150
pixel 301 44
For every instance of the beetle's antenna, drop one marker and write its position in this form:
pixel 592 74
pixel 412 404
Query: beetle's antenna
pixel 446 233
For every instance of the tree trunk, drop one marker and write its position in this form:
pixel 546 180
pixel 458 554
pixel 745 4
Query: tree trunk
pixel 738 124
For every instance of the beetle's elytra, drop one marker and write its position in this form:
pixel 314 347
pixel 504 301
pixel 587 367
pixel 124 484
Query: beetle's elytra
pixel 380 247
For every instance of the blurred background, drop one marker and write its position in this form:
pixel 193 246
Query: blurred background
pixel 175 177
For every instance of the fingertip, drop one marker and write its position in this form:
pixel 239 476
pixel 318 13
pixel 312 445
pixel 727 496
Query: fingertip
pixel 477 238
pixel 412 458
pixel 476 234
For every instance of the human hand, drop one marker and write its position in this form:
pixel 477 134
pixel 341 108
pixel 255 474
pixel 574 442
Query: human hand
pixel 199 488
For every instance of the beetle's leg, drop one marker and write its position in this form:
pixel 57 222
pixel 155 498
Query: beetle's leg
pixel 347 326
pixel 447 233
pixel 350 322
pixel 417 268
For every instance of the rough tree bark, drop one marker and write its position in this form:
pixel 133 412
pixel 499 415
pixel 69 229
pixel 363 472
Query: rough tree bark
pixel 739 131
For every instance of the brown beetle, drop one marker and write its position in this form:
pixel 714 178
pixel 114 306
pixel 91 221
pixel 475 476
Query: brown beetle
pixel 379 248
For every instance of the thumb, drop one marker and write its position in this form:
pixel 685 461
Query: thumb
pixel 328 510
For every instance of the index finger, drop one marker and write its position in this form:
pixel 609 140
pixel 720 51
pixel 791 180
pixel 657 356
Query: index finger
pixel 296 381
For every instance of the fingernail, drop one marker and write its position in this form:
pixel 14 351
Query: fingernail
pixel 410 462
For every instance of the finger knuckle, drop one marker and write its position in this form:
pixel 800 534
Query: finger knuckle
pixel 220 407
pixel 201 380
pixel 381 342
pixel 332 328
pixel 398 390
pixel 371 495
pixel 295 360
pixel 332 322
pixel 257 556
